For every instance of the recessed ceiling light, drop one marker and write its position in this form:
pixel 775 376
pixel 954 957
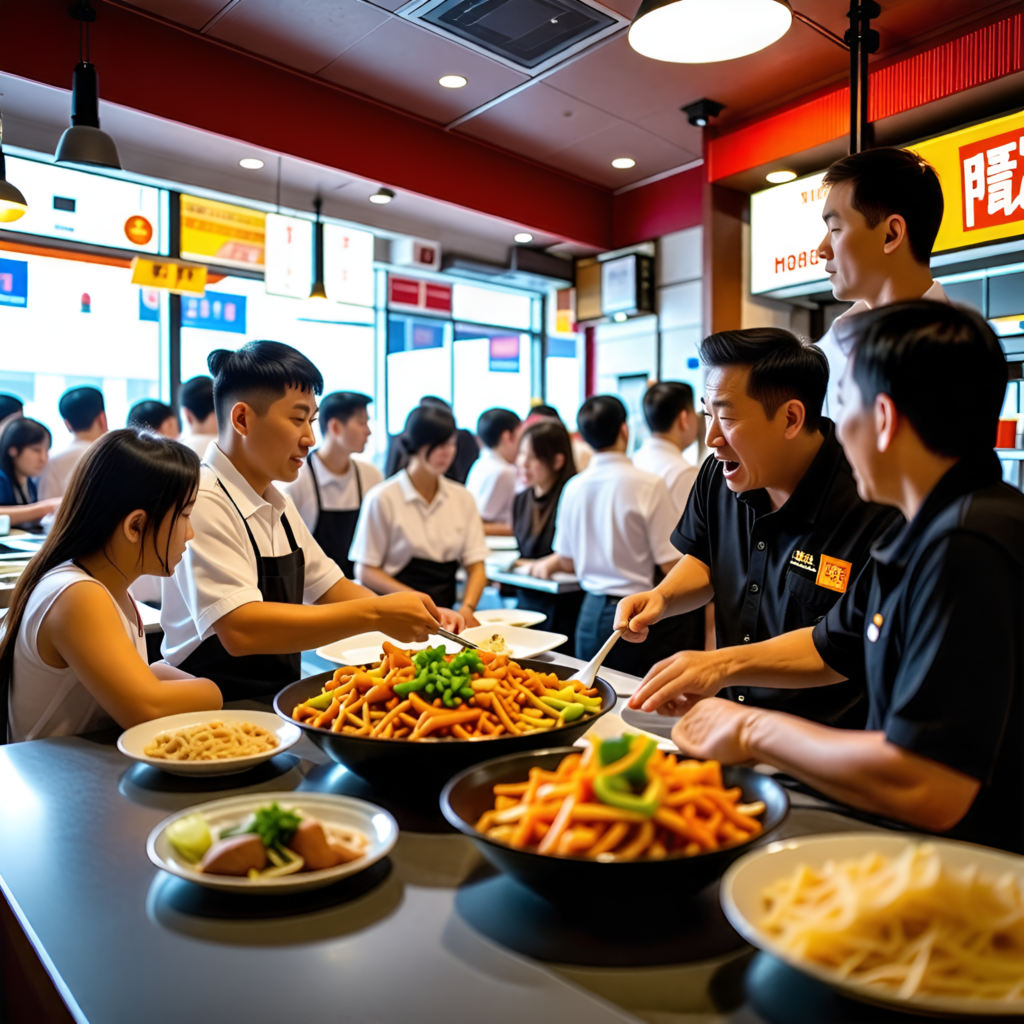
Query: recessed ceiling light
pixel 623 162
pixel 523 237
pixel 250 163
pixel 452 81
pixel 780 177
pixel 382 195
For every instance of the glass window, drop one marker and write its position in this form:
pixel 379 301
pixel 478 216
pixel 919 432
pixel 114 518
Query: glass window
pixel 564 388
pixel 490 306
pixel 419 362
pixel 66 322
pixel 490 368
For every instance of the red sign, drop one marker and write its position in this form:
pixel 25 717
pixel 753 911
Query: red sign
pixel 138 230
pixel 411 293
pixel 993 181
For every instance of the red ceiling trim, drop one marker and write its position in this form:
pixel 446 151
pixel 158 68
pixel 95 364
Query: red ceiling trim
pixel 670 204
pixel 961 63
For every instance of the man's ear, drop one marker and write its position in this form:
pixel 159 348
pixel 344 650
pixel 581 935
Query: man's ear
pixel 242 416
pixel 134 525
pixel 624 433
pixel 895 232
pixel 887 421
pixel 796 418
pixel 558 463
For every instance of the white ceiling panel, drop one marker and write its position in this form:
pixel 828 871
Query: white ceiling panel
pixel 400 64
pixel 304 34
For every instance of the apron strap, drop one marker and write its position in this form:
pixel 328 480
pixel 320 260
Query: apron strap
pixel 316 486
pixel 287 532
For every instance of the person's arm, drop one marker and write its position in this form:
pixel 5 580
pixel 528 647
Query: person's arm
pixel 476 580
pixel 83 629
pixel 497 529
pixel 544 568
pixel 789 661
pixel 381 582
pixel 686 586
pixel 344 590
pixel 862 769
pixel 29 513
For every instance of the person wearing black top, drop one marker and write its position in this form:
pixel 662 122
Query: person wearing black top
pixel 774 530
pixel 24 450
pixel 545 462
pixel 933 625
pixel 466 453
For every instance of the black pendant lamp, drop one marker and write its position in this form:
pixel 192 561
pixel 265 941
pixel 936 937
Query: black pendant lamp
pixel 318 291
pixel 12 202
pixel 83 142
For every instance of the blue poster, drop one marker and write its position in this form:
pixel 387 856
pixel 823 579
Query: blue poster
pixel 504 354
pixel 13 283
pixel 149 304
pixel 214 311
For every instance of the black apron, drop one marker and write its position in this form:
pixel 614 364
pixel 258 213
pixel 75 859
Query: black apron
pixel 436 579
pixel 280 579
pixel 335 528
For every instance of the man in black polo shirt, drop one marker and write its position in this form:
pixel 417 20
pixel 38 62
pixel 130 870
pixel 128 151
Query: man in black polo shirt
pixel 774 530
pixel 933 625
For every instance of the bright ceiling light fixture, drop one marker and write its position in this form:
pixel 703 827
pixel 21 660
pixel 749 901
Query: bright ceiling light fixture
pixel 622 163
pixel 780 177
pixel 250 163
pixel 452 81
pixel 381 196
pixel 706 31
pixel 83 142
pixel 12 202
pixel 523 237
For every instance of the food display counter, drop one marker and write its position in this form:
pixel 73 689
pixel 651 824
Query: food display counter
pixel 432 933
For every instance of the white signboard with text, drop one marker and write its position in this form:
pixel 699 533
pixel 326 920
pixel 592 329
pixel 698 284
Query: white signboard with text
pixel 348 265
pixel 289 256
pixel 785 231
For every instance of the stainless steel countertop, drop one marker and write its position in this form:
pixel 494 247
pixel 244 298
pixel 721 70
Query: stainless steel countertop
pixel 438 937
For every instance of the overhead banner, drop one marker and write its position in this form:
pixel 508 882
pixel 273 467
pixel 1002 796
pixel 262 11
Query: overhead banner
pixel 171 275
pixel 982 174
pixel 289 256
pixel 214 232
pixel 215 311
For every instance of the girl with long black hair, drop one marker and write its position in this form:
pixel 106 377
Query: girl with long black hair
pixel 72 651
pixel 24 452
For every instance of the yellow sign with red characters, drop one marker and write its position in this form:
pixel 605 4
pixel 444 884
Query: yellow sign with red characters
pixel 172 275
pixel 834 574
pixel 982 174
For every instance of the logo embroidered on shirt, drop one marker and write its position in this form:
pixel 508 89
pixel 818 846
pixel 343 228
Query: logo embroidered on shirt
pixel 802 560
pixel 874 626
pixel 834 574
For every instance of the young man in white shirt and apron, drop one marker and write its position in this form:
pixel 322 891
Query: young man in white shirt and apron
pixel 329 492
pixel 492 478
pixel 254 588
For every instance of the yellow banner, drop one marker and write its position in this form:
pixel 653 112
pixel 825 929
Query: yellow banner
pixel 221 233
pixel 183 278
pixel 982 175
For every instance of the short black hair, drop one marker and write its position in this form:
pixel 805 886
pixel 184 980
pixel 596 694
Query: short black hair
pixel 663 402
pixel 196 395
pixel 81 406
pixel 258 374
pixel 781 367
pixel 889 180
pixel 600 419
pixel 493 423
pixel 913 351
pixel 433 402
pixel 546 410
pixel 342 405
pixel 428 427
pixel 149 414
pixel 10 405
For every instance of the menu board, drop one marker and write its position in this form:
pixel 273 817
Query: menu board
pixel 85 207
pixel 348 265
pixel 288 269
pixel 215 232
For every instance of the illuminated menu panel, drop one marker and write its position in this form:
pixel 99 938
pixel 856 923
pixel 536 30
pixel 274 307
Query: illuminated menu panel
pixel 215 232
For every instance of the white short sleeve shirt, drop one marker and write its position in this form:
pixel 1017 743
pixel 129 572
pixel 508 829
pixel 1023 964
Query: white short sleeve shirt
pixel 492 482
pixel 397 525
pixel 218 572
pixel 337 493
pixel 614 522
pixel 54 480
pixel 664 459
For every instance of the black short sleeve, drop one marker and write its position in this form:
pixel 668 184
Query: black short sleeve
pixel 839 637
pixel 690 537
pixel 952 692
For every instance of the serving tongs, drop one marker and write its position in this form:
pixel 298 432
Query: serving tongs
pixel 458 639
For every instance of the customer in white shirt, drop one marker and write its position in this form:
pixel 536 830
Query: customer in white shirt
pixel 418 527
pixel 196 402
pixel 85 417
pixel 255 589
pixel 329 491
pixel 72 653
pixel 492 478
pixel 674 423
pixel 614 525
pixel 882 215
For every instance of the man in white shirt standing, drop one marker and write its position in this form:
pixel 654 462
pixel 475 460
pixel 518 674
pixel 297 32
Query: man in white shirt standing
pixel 614 525
pixel 492 478
pixel 196 402
pixel 674 423
pixel 882 214
pixel 84 415
pixel 329 492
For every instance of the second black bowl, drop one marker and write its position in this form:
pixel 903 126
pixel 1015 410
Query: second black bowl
pixel 559 878
pixel 397 766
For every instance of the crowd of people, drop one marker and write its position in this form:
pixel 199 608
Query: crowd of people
pixel 807 597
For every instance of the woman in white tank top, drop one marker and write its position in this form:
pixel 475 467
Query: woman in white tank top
pixel 72 650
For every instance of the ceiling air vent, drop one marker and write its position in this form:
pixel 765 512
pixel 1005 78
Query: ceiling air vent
pixel 528 35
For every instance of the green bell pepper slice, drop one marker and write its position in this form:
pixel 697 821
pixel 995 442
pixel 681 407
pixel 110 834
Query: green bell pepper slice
pixel 322 701
pixel 572 711
pixel 614 791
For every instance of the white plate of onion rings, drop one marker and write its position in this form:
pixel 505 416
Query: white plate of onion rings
pixel 208 742
pixel 920 924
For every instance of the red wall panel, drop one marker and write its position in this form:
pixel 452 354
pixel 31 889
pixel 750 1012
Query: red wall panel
pixel 670 204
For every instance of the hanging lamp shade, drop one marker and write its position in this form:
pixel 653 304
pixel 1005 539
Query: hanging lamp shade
pixel 12 202
pixel 318 291
pixel 83 142
pixel 705 31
